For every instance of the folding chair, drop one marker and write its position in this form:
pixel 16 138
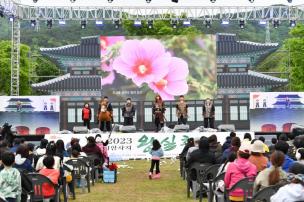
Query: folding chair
pixel 246 185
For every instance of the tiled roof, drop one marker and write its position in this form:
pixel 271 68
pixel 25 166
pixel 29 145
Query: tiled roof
pixel 288 95
pixel 248 79
pixel 19 99
pixel 70 83
pixel 228 44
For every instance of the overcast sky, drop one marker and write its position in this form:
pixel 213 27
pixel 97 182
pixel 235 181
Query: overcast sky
pixel 160 3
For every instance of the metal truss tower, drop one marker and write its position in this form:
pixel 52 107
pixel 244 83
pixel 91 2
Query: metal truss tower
pixel 15 57
pixel 267 38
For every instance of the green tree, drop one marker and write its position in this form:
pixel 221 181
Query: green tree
pixel 296 45
pixel 5 67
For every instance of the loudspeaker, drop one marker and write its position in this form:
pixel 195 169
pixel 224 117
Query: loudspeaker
pixel 181 128
pixel 127 129
pixel 65 132
pixel 95 130
pixel 80 130
pixel 226 127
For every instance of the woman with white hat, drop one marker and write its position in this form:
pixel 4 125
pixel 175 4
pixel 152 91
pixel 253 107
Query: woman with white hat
pixel 257 155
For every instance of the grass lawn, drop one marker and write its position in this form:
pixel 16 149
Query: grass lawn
pixel 133 185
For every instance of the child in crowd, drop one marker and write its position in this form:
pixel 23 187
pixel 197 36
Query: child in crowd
pixel 10 179
pixel 51 173
pixel 156 153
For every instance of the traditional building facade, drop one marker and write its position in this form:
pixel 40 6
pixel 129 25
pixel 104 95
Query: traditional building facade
pixel 236 61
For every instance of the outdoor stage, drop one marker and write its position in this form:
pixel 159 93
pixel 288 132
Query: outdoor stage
pixel 124 146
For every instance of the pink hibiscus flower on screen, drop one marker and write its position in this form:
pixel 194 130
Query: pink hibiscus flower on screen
pixel 142 61
pixel 175 82
pixel 107 41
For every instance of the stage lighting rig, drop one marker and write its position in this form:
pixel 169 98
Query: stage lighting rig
pixel 116 24
pixel 289 1
pixel 35 1
pixel 1 11
pixel 175 1
pixel 33 23
pixel 110 1
pixel 208 24
pixel 212 1
pixel 174 24
pixel 292 23
pixel 150 24
pixel 49 24
pixel 251 1
pixel 148 1
pixel 276 23
pixel 242 24
pixel 72 1
pixel 83 24
pixel 137 23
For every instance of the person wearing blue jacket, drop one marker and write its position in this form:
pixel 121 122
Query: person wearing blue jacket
pixel 156 153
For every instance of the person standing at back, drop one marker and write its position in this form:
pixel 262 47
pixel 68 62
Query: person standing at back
pixel 86 115
pixel 182 111
pixel 128 112
pixel 208 113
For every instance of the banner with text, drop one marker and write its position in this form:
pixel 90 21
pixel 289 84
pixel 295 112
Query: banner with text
pixel 138 145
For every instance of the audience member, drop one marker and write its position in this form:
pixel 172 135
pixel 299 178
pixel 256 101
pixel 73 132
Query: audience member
pixel 41 150
pixel 294 190
pixel 189 144
pixel 50 151
pixel 76 147
pixel 266 148
pixel 257 158
pixel 51 173
pixel 283 147
pixel 60 150
pixel 91 149
pixel 202 154
pixel 10 179
pixel 31 148
pixel 21 159
pixel 103 148
pixel 247 137
pixel 300 155
pixel 227 143
pixel 273 143
pixel 191 149
pixel 272 175
pixel 215 147
pixel 17 142
pixel 234 147
pixel 238 170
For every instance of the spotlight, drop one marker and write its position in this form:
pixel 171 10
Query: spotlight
pixel 33 23
pixel 148 1
pixel 150 24
pixel 292 23
pixel 212 1
pixel 61 22
pixel 11 18
pixel 242 24
pixel 110 1
pixel 175 1
pixel 137 23
pixel 49 24
pixel 72 1
pixel 116 24
pixel 187 23
pixel 35 1
pixel 251 1
pixel 225 22
pixel 263 22
pixel 208 24
pixel 99 22
pixel 289 1
pixel 276 23
pixel 174 24
pixel 83 24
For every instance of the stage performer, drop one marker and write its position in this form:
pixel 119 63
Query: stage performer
pixel 182 110
pixel 128 112
pixel 208 113
pixel 86 115
pixel 158 111
pixel 104 115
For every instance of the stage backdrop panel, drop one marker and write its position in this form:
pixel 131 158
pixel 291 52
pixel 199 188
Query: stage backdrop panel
pixel 31 114
pixel 276 111
pixel 138 145
pixel 140 66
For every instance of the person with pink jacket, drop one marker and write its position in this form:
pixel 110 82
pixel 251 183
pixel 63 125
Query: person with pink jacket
pixel 238 170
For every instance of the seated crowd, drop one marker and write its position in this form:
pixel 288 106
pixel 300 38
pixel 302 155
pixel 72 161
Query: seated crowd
pixel 47 159
pixel 280 164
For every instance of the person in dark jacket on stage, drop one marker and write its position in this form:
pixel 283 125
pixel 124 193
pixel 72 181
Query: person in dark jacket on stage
pixel 128 112
pixel 182 110
pixel 86 115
